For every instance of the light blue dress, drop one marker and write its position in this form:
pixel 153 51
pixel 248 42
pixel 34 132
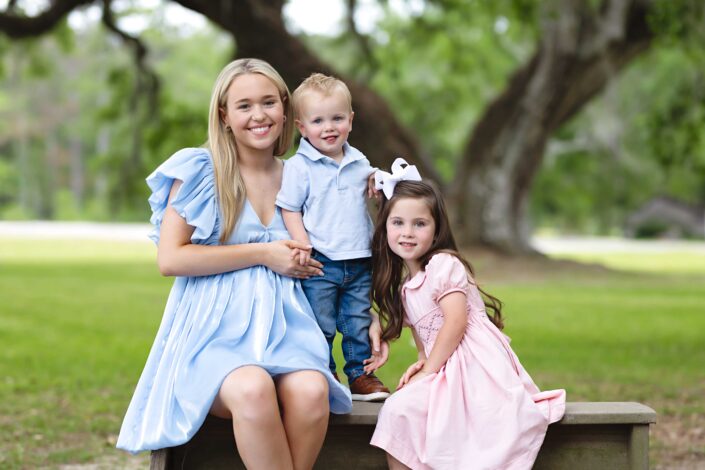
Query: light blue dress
pixel 215 324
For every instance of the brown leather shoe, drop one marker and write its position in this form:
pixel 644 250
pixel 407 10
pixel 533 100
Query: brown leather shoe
pixel 368 388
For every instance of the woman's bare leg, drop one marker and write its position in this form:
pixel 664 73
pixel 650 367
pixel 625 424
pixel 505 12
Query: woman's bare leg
pixel 249 397
pixel 303 397
pixel 394 464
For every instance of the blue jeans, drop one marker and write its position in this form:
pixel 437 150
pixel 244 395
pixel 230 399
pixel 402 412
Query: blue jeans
pixel 340 299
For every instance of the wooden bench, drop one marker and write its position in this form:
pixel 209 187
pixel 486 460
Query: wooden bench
pixel 591 435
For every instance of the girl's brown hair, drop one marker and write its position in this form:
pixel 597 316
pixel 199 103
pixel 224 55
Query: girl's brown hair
pixel 388 268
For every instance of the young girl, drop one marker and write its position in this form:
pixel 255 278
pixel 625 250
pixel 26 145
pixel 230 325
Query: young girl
pixel 467 402
pixel 238 338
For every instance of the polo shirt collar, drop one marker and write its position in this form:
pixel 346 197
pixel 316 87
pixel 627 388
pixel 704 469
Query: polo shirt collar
pixel 350 154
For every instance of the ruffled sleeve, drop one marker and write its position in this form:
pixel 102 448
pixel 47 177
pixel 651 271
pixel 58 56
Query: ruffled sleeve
pixel 446 274
pixel 195 200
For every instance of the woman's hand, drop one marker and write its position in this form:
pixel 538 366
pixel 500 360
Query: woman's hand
pixel 413 373
pixel 282 259
pixel 380 348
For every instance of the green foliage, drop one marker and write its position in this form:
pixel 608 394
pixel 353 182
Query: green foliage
pixel 439 69
pixel 187 76
pixel 675 130
pixel 8 182
pixel 651 229
pixel 74 91
pixel 64 36
pixel 644 137
pixel 442 67
pixel 679 22
pixel 588 191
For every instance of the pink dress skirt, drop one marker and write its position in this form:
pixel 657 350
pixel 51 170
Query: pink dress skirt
pixel 481 410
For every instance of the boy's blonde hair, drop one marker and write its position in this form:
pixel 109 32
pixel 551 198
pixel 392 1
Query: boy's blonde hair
pixel 229 184
pixel 324 84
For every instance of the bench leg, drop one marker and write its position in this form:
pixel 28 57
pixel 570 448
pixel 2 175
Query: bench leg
pixel 639 447
pixel 159 460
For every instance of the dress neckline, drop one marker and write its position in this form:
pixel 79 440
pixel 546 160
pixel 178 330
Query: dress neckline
pixel 271 222
pixel 416 280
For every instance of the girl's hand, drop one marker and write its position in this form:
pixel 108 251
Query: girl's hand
pixel 414 371
pixel 282 259
pixel 418 376
pixel 373 363
pixel 380 349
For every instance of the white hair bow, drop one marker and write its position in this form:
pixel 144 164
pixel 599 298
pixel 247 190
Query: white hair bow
pixel 401 171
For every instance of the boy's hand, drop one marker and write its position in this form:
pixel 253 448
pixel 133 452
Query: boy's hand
pixel 282 258
pixel 372 192
pixel 303 255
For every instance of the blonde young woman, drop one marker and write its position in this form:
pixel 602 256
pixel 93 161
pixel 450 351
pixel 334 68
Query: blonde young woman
pixel 238 338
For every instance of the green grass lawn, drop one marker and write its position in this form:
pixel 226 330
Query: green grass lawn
pixel 77 319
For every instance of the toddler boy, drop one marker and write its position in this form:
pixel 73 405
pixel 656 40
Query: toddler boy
pixel 322 198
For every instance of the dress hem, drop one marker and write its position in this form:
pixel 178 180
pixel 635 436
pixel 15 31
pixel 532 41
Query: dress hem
pixel 408 457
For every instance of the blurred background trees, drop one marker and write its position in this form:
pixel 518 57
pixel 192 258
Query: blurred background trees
pixel 530 114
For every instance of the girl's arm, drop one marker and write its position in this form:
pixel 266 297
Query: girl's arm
pixel 177 256
pixel 455 321
pixel 414 369
pixel 380 348
pixel 294 222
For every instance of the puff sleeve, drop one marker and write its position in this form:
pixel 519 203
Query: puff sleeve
pixel 195 200
pixel 446 274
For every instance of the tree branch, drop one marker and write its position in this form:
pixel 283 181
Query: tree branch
pixel 580 51
pixel 361 39
pixel 18 26
pixel 259 31
pixel 146 85
pixel 147 80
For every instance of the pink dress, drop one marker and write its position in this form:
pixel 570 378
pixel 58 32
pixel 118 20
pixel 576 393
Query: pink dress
pixel 481 410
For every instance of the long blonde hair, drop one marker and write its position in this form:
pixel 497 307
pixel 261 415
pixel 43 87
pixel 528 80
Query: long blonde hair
pixel 230 187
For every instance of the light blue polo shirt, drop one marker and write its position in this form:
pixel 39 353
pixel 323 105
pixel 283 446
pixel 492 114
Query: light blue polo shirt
pixel 332 199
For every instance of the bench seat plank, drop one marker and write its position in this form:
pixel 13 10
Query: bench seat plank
pixel 591 435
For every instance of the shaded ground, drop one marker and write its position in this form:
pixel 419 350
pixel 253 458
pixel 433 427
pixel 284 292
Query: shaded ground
pixel 678 442
pixel 494 267
pixel 112 462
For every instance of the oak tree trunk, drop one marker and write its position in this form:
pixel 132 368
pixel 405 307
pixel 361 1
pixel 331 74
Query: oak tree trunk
pixel 579 52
